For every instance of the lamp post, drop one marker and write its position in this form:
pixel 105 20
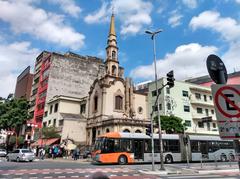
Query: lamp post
pixel 33 126
pixel 158 110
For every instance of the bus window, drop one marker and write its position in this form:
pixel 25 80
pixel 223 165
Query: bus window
pixel 156 146
pixel 147 146
pixel 215 146
pixel 195 148
pixel 173 146
pixel 126 145
pixel 108 145
pixel 226 145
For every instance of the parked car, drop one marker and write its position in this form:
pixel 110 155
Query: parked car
pixel 21 155
pixel 3 153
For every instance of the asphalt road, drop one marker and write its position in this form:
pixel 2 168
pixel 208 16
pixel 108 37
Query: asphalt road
pixel 58 169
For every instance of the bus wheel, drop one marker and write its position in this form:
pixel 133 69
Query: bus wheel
pixel 168 159
pixel 122 160
pixel 223 158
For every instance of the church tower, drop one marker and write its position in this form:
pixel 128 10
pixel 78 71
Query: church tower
pixel 112 63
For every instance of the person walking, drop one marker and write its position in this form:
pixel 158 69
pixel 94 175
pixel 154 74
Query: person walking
pixel 42 153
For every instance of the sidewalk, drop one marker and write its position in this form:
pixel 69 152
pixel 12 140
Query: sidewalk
pixel 193 169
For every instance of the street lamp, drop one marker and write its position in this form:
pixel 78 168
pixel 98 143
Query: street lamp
pixel 33 126
pixel 11 133
pixel 158 110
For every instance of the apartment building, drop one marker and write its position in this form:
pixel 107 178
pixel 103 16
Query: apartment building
pixel 193 103
pixel 58 74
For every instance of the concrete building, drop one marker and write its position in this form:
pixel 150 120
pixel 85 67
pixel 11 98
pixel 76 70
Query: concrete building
pixel 24 84
pixel 233 79
pixel 55 74
pixel 68 115
pixel 193 103
pixel 113 105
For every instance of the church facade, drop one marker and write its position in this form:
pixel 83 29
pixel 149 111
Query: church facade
pixel 113 105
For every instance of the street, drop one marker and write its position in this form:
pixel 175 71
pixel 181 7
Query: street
pixel 69 169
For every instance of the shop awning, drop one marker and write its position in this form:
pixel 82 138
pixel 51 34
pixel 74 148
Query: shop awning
pixel 41 142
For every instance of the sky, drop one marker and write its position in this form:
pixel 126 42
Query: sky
pixel 192 30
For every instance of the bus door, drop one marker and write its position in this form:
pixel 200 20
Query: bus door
pixel 204 149
pixel 138 149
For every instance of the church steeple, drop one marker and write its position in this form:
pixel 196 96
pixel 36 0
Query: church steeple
pixel 112 63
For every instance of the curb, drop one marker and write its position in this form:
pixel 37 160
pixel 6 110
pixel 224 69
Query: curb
pixel 215 171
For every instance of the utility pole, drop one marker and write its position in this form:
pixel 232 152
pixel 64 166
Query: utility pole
pixel 158 109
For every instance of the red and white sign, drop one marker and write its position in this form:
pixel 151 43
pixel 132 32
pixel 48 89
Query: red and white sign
pixel 227 107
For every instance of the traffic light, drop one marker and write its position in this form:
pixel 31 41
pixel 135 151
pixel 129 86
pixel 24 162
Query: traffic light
pixel 148 129
pixel 170 79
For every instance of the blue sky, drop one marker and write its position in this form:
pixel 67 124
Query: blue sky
pixel 192 29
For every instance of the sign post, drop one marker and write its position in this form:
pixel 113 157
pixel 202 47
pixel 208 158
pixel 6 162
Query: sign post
pixel 227 100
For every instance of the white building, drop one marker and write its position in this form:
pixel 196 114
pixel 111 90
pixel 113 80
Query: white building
pixel 193 103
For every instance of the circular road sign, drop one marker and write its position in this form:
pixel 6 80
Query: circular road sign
pixel 221 100
pixel 216 69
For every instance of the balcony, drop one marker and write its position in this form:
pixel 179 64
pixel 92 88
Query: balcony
pixel 201 102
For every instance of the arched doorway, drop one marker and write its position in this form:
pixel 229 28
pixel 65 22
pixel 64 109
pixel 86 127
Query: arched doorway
pixel 107 130
pixel 138 131
pixel 126 130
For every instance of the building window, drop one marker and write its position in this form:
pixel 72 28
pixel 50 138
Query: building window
pixel 214 125
pixel 95 103
pixel 138 131
pixel 98 132
pixel 168 90
pixel 54 122
pixel 114 70
pixel 205 97
pixel 113 54
pixel 154 93
pixel 56 107
pixel 83 108
pixel 107 130
pixel 199 110
pixel 212 111
pixel 51 109
pixel 185 93
pixel 206 111
pixel 118 102
pixel 169 106
pixel 140 110
pixel 198 95
pixel 186 108
pixel 45 114
pixel 200 124
pixel 45 124
pixel 210 97
pixel 154 108
pixel 49 122
pixel 60 122
pixel 188 123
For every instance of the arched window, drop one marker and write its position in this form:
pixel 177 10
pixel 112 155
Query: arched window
pixel 107 130
pixel 118 102
pixel 113 54
pixel 114 70
pixel 95 103
pixel 126 130
pixel 138 131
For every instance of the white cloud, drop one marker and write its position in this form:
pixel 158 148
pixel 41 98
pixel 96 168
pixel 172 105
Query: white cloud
pixel 98 16
pixel 187 61
pixel 134 15
pixel 68 6
pixel 190 3
pixel 25 18
pixel 228 27
pixel 13 59
pixel 238 1
pixel 175 19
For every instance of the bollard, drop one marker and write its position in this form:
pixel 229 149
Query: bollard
pixel 215 159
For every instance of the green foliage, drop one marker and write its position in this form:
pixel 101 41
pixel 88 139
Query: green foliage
pixel 12 140
pixel 13 113
pixel 50 132
pixel 171 124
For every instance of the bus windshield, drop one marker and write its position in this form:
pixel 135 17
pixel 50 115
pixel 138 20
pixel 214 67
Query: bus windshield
pixel 99 144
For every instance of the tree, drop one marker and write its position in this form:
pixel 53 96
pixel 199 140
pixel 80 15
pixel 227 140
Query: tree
pixel 13 113
pixel 50 132
pixel 171 124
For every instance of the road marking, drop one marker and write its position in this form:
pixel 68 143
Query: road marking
pixel 70 172
pixel 61 176
pixel 17 178
pixel 32 177
pixel 57 172
pixel 45 173
pixel 198 176
pixel 124 175
pixel 113 175
pixel 6 174
pixel 74 176
pixel 18 173
pixel 136 175
pixel 48 177
pixel 32 173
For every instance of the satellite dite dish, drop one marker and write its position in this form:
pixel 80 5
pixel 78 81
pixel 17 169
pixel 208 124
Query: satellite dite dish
pixel 217 69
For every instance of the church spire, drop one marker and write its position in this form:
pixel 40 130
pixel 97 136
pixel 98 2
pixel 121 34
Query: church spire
pixel 112 26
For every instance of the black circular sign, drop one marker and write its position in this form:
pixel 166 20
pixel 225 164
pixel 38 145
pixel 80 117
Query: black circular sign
pixel 216 69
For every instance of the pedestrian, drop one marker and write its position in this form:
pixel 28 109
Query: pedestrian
pixel 77 153
pixel 42 153
pixel 99 175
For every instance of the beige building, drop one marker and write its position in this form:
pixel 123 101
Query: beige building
pixel 68 115
pixel 113 105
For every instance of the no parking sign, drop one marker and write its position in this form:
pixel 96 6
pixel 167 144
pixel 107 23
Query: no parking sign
pixel 227 107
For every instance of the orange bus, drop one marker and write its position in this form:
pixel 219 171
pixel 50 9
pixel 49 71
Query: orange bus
pixel 127 148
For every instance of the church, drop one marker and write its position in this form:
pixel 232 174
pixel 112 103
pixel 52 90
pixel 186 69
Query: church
pixel 113 105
